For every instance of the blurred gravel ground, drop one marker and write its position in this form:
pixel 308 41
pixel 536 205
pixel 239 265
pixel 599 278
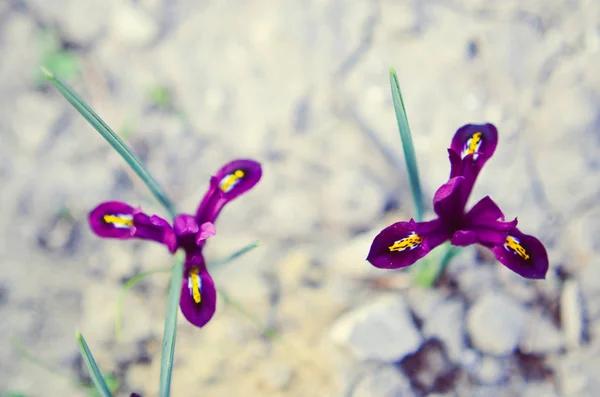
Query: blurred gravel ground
pixel 302 86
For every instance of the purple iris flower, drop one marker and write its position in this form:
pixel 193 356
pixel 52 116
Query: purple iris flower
pixel 403 243
pixel 114 219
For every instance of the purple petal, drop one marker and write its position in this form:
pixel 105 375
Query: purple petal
pixel 472 146
pixel 403 243
pixel 523 254
pixel 485 209
pixel 115 219
pixel 463 238
pixel 198 296
pixel 154 228
pixel 483 224
pixel 232 180
pixel 448 201
pixel 479 139
pixel 207 230
pixel 185 224
pixel 112 219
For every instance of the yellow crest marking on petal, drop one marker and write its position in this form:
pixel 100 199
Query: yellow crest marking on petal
pixel 514 245
pixel 119 220
pixel 409 242
pixel 194 284
pixel 229 181
pixel 473 144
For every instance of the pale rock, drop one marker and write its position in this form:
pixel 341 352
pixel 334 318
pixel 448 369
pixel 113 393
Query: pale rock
pixel 384 382
pixel 491 371
pixel 352 200
pixel 350 258
pixel 572 313
pixel 277 377
pixel 496 324
pixel 68 15
pixel 293 268
pixel 477 281
pixel 541 336
pixel 577 373
pixel 540 390
pixel 446 323
pixel 34 132
pixel 383 330
pixel 423 301
pixel 131 25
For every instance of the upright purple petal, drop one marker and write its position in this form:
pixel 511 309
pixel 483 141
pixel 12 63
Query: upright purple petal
pixel 198 296
pixel 449 202
pixel 471 147
pixel 185 224
pixel 523 254
pixel 478 139
pixel 403 243
pixel 190 235
pixel 232 180
pixel 115 219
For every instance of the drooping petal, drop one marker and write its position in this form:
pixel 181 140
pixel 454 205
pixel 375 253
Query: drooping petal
pixel 232 180
pixel 403 243
pixel 523 254
pixel 112 219
pixel 198 295
pixel 115 219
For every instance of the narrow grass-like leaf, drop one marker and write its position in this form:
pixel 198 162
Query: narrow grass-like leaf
pixel 90 363
pixel 407 145
pixel 132 282
pixel 111 381
pixel 268 332
pixel 242 251
pixel 432 266
pixel 170 333
pixel 113 139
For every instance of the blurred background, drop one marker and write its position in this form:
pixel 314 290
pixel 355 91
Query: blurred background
pixel 303 87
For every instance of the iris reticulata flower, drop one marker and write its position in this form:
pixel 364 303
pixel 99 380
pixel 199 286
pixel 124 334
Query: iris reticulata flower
pixel 115 219
pixel 403 243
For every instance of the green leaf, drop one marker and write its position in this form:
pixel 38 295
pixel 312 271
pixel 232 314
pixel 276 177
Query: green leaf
pixel 132 282
pixel 407 145
pixel 90 363
pixel 268 332
pixel 111 381
pixel 113 139
pixel 170 333
pixel 242 251
pixel 430 268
